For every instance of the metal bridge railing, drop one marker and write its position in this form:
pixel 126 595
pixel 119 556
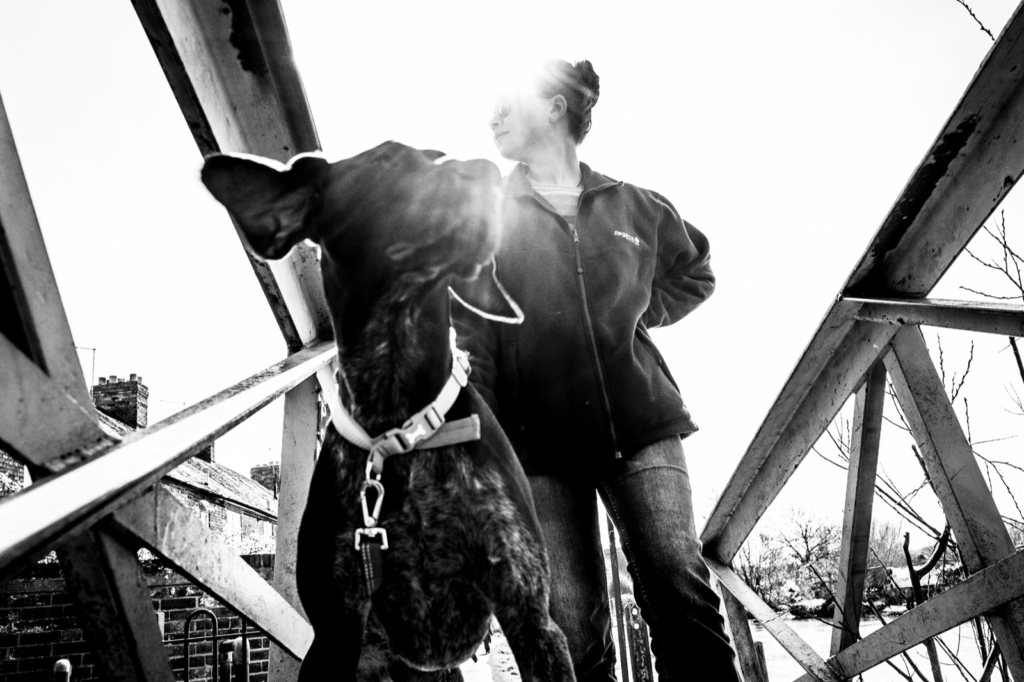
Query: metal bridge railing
pixel 99 501
pixel 235 81
pixel 872 332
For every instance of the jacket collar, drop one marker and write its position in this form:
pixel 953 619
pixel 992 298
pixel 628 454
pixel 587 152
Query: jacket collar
pixel 516 184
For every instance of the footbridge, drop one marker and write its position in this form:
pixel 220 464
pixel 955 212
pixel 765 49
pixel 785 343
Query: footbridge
pixel 98 499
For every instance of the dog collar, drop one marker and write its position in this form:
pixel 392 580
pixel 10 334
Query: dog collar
pixel 425 429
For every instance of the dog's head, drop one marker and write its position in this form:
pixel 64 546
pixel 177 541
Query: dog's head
pixel 392 219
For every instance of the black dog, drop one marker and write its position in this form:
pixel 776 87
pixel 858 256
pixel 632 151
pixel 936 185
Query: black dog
pixel 395 229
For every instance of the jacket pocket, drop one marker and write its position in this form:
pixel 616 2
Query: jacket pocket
pixel 645 340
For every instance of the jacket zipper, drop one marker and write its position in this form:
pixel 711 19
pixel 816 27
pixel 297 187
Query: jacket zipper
pixel 593 339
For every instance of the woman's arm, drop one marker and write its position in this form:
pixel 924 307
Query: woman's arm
pixel 682 277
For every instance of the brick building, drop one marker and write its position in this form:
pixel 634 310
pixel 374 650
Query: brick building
pixel 242 510
pixel 229 503
pixel 39 625
pixel 38 621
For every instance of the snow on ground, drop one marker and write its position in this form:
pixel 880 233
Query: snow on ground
pixel 497 666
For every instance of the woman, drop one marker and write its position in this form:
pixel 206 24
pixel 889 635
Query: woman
pixel 582 391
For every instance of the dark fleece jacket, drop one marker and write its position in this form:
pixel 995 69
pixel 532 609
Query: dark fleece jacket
pixel 580 381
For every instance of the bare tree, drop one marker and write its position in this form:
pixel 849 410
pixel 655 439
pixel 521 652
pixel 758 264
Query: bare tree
pixel 762 564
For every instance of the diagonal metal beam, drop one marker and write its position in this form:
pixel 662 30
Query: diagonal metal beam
pixel 298 456
pixel 860 497
pixel 116 608
pixel 46 415
pixel 235 80
pixel 844 353
pixel 33 402
pixel 40 515
pixel 816 357
pixel 40 377
pixel 975 161
pixel 801 652
pixel 742 640
pixel 1005 319
pixel 956 478
pixel 976 596
pixel 173 531
pixel 24 258
pixel 230 67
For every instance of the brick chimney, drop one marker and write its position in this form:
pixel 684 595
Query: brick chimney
pixel 126 400
pixel 268 476
pixel 206 454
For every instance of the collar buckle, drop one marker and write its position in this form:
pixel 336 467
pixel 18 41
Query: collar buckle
pixel 460 368
pixel 418 428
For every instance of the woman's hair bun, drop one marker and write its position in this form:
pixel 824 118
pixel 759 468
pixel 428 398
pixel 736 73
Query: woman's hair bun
pixel 580 86
pixel 589 81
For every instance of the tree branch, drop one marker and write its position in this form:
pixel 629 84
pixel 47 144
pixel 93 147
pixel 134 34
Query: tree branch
pixel 976 19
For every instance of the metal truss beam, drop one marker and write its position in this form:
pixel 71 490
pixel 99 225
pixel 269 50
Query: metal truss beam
pixel 40 515
pixel 1005 319
pixel 801 652
pixel 298 455
pixel 975 161
pixel 956 479
pixel 860 496
pixel 841 355
pixel 236 83
pixel 117 617
pixel 40 377
pixel 172 530
pixel 977 596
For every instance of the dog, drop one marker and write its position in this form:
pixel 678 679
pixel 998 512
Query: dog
pixel 399 229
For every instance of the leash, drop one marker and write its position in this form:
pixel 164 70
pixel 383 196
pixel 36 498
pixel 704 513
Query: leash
pixel 425 429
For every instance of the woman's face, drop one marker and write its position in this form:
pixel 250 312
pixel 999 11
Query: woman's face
pixel 521 124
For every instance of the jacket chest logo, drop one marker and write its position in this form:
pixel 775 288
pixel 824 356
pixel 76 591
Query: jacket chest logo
pixel 628 237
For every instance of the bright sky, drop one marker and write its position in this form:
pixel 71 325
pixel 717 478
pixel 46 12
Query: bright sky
pixel 783 130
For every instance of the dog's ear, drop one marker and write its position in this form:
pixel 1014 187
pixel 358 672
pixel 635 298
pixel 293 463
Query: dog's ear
pixel 485 296
pixel 274 206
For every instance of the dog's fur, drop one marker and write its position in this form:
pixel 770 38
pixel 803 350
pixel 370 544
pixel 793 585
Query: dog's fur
pixel 395 230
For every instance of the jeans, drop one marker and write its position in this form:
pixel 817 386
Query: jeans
pixel 648 498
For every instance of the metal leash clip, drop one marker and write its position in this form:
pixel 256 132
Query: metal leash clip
pixel 371 533
pixel 370 519
pixel 371 530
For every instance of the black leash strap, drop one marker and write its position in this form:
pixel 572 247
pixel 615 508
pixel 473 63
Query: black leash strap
pixel 372 562
pixel 371 540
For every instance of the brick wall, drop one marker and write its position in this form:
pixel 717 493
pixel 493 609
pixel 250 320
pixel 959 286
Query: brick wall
pixel 237 526
pixel 176 598
pixel 39 624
